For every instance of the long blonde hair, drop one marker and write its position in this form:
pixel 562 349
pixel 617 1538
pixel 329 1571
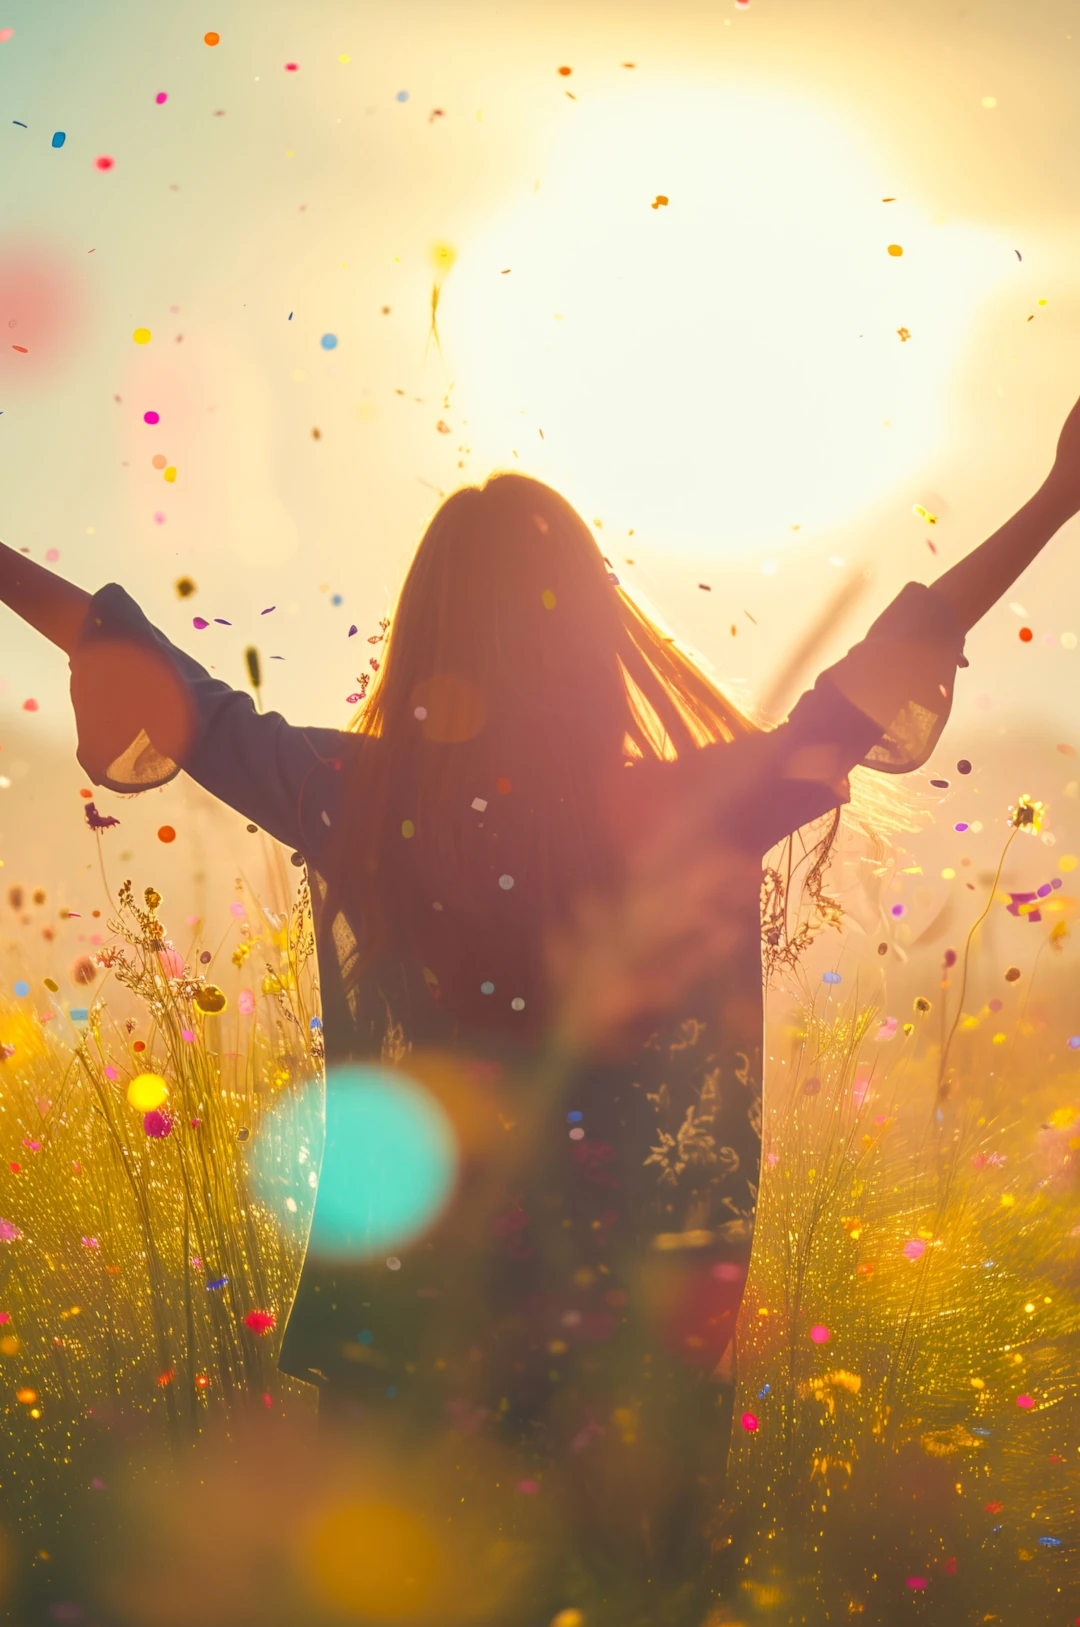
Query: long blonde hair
pixel 515 675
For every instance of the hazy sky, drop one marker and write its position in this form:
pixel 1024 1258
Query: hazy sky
pixel 711 373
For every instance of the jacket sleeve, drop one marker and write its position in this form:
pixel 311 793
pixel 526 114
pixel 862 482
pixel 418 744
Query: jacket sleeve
pixel 883 706
pixel 145 710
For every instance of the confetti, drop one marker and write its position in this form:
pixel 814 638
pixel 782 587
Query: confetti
pixel 211 38
pixel 166 833
pixel 151 418
pixel 161 98
pixel 59 137
pixel 820 1334
pixel 104 162
pixel 329 341
pixel 141 336
pixel 185 587
pixel 895 250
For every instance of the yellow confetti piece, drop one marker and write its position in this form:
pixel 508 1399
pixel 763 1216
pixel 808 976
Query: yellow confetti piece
pixel 170 474
pixel 407 828
pixel 141 336
pixel 547 599
pixel 895 250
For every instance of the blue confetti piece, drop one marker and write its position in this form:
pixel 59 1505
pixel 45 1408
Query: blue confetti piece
pixel 353 630
pixel 20 123
pixel 290 316
pixel 392 1391
pixel 315 1024
pixel 329 341
pixel 402 96
pixel 574 1118
pixel 830 977
pixel 764 1392
pixel 22 988
pixel 222 622
pixel 1074 1042
pixel 79 1014
pixel 1050 1542
pixel 366 1337
pixel 218 1282
pixel 975 1431
pixel 335 598
pixel 59 138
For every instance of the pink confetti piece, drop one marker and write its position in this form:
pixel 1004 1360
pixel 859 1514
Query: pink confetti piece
pixel 820 1334
pixel 199 624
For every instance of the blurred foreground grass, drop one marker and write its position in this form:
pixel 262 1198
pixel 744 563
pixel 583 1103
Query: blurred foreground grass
pixel 907 1429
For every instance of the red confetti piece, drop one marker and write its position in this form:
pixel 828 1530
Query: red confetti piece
pixel 1026 635
pixel 104 162
pixel 166 834
pixel 30 706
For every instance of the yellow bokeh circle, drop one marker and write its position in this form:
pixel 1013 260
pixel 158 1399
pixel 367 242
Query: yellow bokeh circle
pixel 147 1091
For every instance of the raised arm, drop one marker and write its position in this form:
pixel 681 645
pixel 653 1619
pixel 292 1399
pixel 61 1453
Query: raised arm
pixel 145 709
pixel 984 576
pixel 51 605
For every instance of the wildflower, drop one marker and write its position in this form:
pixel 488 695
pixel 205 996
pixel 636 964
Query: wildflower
pixel 1027 814
pixel 153 899
pixel 98 821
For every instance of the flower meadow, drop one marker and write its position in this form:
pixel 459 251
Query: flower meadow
pixel 907 1422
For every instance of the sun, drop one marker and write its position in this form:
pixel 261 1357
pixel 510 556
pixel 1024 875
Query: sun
pixel 730 366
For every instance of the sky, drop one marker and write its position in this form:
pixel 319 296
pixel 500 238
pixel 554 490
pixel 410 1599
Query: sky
pixel 666 286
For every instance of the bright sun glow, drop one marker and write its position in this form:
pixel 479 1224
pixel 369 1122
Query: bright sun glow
pixel 719 369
